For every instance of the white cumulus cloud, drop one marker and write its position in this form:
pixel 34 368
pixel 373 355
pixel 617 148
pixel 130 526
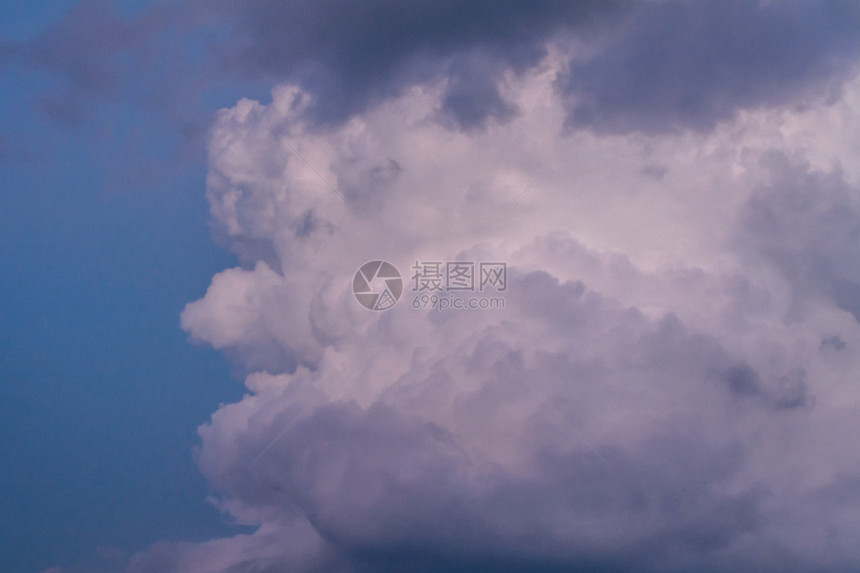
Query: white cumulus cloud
pixel 671 384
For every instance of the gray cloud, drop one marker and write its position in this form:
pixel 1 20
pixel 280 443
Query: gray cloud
pixel 351 57
pixel 687 64
pixel 152 61
pixel 85 46
pixel 647 67
pixel 390 489
pixel 806 223
pixel 673 64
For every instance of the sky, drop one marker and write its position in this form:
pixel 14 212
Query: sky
pixel 621 333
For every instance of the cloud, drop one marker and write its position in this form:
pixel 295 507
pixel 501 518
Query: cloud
pixel 85 46
pixel 352 58
pixel 805 223
pixel 670 382
pixel 649 398
pixel 99 57
pixel 649 67
pixel 89 48
pixel 693 64
pixel 168 57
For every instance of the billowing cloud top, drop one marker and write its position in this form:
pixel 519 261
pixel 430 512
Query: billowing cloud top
pixel 670 385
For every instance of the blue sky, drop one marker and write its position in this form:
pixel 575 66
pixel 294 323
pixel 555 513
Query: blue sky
pixel 188 384
pixel 104 238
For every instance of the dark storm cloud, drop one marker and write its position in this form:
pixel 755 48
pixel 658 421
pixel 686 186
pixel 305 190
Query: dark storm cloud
pixel 687 64
pixel 651 66
pixel 348 55
pixel 351 55
pixel 472 94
